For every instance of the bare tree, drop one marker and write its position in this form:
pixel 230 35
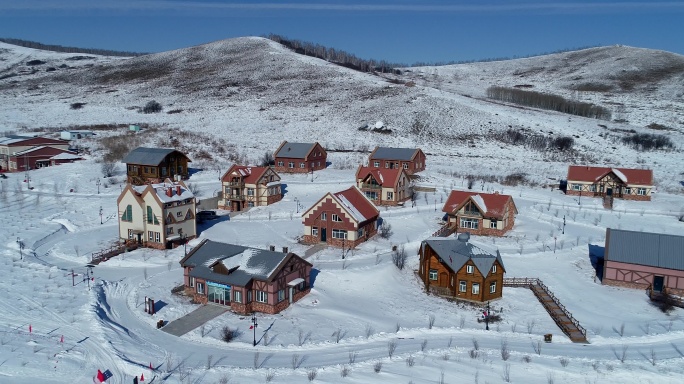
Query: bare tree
pixel 391 347
pixel 537 346
pixel 108 169
pixel 505 352
pixel 431 321
pixel 399 257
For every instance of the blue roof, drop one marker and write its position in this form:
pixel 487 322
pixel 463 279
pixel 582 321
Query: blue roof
pixel 643 248
pixel 148 156
pixel 455 253
pixel 385 153
pixel 295 150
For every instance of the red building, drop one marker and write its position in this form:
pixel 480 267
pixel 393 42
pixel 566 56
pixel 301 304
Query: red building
pixel 622 183
pixel 488 214
pixel 39 157
pixel 12 145
pixel 300 157
pixel 411 160
pixel 341 219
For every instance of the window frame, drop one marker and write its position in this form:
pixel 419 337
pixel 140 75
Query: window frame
pixel 641 191
pixel 281 164
pixel 281 295
pixel 200 288
pixel 493 224
pixel 336 233
pixel 336 218
pixel 433 274
pixel 470 269
pixel 475 289
pixel 462 286
pixel 494 268
pixel 492 287
pixel 314 231
pixel 261 296
pixel 237 296
pixel 290 164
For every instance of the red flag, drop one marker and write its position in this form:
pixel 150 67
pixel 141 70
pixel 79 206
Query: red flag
pixel 251 327
pixel 100 376
pixel 142 377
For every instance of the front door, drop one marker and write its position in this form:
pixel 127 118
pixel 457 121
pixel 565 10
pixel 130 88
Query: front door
pixel 324 237
pixel 658 283
pixel 609 191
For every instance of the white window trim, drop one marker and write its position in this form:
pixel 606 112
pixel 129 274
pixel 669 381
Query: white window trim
pixel 492 287
pixel 494 268
pixel 261 297
pixel 336 233
pixel 336 218
pixel 200 288
pixel 462 286
pixel 476 289
pixel 469 269
pixel 433 274
pixel 237 297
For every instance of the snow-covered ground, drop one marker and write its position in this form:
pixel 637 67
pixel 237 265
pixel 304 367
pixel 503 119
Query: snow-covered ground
pixel 360 306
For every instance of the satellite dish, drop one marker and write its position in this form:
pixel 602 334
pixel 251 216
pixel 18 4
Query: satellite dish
pixel 379 124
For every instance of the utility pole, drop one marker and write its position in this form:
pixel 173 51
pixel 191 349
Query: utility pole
pixel 98 182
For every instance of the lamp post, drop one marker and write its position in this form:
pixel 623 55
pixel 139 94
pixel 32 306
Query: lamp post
pixel 487 317
pixel 100 215
pixel 579 199
pixel 21 248
pixel 254 327
pixel 98 182
pixel 297 202
pixel 183 238
pixel 564 224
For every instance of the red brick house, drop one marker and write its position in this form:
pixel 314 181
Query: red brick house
pixel 411 160
pixel 11 145
pixel 486 214
pixel 384 186
pixel 452 267
pixel 622 183
pixel 39 157
pixel 246 187
pixel 245 279
pixel 643 260
pixel 342 219
pixel 300 157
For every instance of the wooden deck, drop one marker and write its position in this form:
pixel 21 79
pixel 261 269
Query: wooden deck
pixel 565 321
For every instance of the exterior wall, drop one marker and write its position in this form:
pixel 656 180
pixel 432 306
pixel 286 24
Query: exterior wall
pixel 31 160
pixel 640 276
pixel 410 167
pixel 401 191
pixel 316 160
pixel 137 223
pixel 503 226
pixel 313 219
pixel 448 282
pixel 172 165
pixel 620 190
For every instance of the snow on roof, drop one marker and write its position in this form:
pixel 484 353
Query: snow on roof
pixel 65 156
pixel 619 174
pixel 161 189
pixel 352 209
pixel 11 139
pixel 148 156
pixel 480 202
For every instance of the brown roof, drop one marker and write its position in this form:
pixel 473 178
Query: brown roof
pixel 494 203
pixel 384 176
pixel 357 204
pixel 592 174
pixel 251 175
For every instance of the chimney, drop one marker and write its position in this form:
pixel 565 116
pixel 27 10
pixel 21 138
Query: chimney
pixel 284 249
pixel 464 237
pixel 178 190
pixel 271 248
pixel 496 192
pixel 169 193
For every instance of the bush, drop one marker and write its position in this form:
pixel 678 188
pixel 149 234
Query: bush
pixel 385 230
pixel 228 334
pixel 664 301
pixel 550 102
pixel 77 105
pixel 152 107
pixel 399 257
pixel 108 169
pixel 648 141
pixel 563 143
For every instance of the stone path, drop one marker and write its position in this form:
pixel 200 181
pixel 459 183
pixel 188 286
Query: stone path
pixel 312 250
pixel 194 319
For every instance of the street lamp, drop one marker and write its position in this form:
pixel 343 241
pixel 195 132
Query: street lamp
pixel 564 224
pixel 100 214
pixel 579 199
pixel 183 238
pixel 21 248
pixel 297 202
pixel 98 182
pixel 254 327
pixel 487 317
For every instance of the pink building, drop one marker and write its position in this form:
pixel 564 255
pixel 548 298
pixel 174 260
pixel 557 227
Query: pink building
pixel 644 260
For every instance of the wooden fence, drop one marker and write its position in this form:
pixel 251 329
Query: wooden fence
pixel 114 250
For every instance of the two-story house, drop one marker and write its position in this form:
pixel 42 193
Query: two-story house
pixel 157 215
pixel 342 219
pixel 300 157
pixel 622 183
pixel 487 214
pixel 246 187
pixel 384 186
pixel 411 160
pixel 153 165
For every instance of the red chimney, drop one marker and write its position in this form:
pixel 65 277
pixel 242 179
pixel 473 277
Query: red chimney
pixel 178 190
pixel 169 193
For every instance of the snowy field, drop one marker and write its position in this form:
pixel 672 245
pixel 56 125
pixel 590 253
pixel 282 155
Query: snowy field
pixel 364 321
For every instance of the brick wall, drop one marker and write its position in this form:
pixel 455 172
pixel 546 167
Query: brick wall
pixel 273 199
pixel 598 194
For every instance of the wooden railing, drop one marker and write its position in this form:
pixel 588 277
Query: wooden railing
pixel 445 231
pixel 117 249
pixel 533 283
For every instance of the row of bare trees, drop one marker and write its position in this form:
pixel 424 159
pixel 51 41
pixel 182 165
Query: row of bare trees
pixel 59 48
pixel 546 101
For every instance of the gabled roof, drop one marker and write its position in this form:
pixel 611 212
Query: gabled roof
pixel 160 189
pixel 357 204
pixel 14 139
pixel 455 253
pixel 384 176
pixel 386 153
pixel 245 263
pixel 294 150
pixel 490 204
pixel 594 174
pixel 41 148
pixel 149 156
pixel 250 175
pixel 643 248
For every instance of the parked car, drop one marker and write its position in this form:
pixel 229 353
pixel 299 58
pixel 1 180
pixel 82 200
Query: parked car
pixel 206 215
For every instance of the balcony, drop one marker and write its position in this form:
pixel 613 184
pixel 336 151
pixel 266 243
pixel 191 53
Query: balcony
pixel 235 197
pixel 235 184
pixel 370 186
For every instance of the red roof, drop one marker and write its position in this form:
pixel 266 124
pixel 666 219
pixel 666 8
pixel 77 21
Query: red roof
pixel 494 203
pixel 384 176
pixel 250 175
pixel 357 203
pixel 593 174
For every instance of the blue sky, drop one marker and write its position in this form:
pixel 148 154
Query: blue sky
pixel 404 31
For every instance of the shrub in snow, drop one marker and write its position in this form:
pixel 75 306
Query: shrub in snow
pixel 152 107
pixel 228 334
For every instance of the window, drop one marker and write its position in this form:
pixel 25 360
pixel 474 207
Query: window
pixel 130 234
pixel 179 214
pixel 163 171
pixel 249 296
pixel 312 164
pixel 641 191
pixel 492 224
pixel 250 191
pixel 628 191
pixel 469 269
pixel 387 164
pixel 237 297
pixel 405 165
pixel 157 237
pixel 302 165
pixel 492 287
pixel 281 295
pixel 318 164
pixel 261 297
pixel 577 187
pixel 200 288
pixel 494 268
pixel 359 233
pixel 592 188
pixel 336 218
pixel 462 286
pixel 192 281
pixel 270 178
pixel 432 275
pixel 169 230
pixel 476 288
pixel 339 234
pixel 314 231
pixel 469 223
pixel 280 164
pixel 290 164
pixel 371 195
pixel 324 216
pixel 250 204
pixel 390 195
pixel 150 236
pixel 128 213
pixel 376 164
pixel 130 168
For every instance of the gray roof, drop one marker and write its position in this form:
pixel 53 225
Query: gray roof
pixel 295 150
pixel 643 248
pixel 258 263
pixel 148 156
pixel 455 254
pixel 384 153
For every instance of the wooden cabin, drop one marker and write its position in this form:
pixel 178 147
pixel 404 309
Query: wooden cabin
pixel 154 165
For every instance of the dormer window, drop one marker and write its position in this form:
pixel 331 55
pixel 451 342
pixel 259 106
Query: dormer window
pixel 469 269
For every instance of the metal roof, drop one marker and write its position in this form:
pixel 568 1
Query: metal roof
pixel 259 264
pixel 644 248
pixel 455 253
pixel 384 153
pixel 148 156
pixel 295 150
